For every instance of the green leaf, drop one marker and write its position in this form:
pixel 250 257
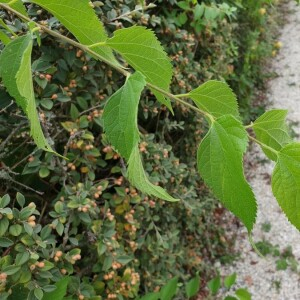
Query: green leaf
pixel 11 270
pixel 214 285
pixel 16 5
pixel 38 293
pixel 49 288
pixel 139 179
pixel 220 163
pixel 216 98
pixel 19 292
pixel 169 290
pixel 286 182
pixel 22 258
pixel 15 70
pixel 192 287
pixel 230 280
pixel 4 38
pixel 124 259
pixel 150 296
pixel 15 229
pixel 28 228
pixel 141 49
pixel 4 201
pixel 271 129
pixel 80 19
pixel 120 115
pixel 74 112
pixel 59 292
pixel 243 294
pixel 4 223
pixel 20 199
pixel 5 242
pixel 44 172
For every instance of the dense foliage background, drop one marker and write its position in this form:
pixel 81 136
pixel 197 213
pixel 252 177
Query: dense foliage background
pixel 81 217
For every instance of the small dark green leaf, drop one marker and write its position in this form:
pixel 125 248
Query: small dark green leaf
pixel 4 201
pixel 19 292
pixel 38 293
pixel 15 230
pixel 107 263
pixel 10 270
pixel 44 172
pixel 28 228
pixel 4 223
pixel 59 228
pixel 74 112
pixel 20 199
pixel 124 259
pixel 5 242
pixel 22 258
pixel 49 288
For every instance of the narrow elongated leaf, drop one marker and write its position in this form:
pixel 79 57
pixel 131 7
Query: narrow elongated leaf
pixel 139 179
pixel 271 129
pixel 16 5
pixel 120 115
pixel 80 19
pixel 286 182
pixel 15 70
pixel 220 163
pixel 141 49
pixel 216 98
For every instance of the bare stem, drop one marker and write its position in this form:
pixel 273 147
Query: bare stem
pixel 263 145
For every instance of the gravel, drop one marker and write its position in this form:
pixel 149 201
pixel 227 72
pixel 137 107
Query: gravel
pixel 258 274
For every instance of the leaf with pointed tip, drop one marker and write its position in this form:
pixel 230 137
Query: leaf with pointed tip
pixel 286 182
pixel 120 115
pixel 141 49
pixel 216 98
pixel 168 291
pixel 80 19
pixel 139 179
pixel 192 287
pixel 15 70
pixel 16 5
pixel 220 163
pixel 271 129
